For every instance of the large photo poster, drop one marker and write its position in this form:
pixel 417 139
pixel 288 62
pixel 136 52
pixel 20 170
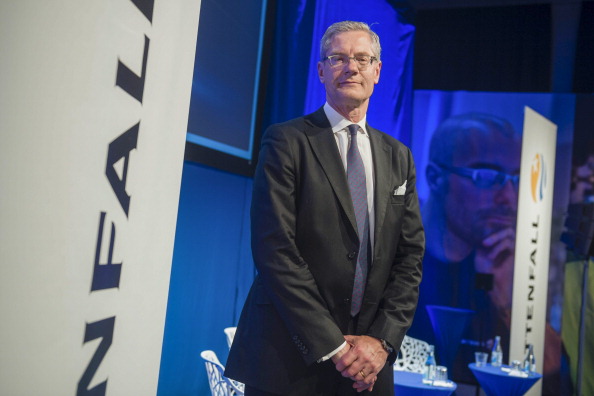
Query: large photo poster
pixel 467 147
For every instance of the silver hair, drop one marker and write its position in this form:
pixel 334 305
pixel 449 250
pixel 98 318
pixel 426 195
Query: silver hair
pixel 349 26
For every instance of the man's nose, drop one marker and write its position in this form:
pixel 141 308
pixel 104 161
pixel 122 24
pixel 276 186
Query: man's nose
pixel 352 65
pixel 507 194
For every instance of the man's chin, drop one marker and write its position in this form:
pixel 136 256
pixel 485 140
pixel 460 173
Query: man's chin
pixel 352 93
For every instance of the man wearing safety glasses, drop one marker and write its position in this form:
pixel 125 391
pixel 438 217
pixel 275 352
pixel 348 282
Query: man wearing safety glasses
pixel 470 220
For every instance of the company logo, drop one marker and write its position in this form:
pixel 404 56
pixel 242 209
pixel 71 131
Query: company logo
pixel 538 179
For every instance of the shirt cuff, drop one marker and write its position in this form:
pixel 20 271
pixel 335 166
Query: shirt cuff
pixel 334 352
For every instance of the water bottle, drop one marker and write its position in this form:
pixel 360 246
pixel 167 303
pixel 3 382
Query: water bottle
pixel 430 367
pixel 497 353
pixel 529 360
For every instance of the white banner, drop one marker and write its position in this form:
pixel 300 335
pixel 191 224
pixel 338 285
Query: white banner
pixel 533 237
pixel 94 98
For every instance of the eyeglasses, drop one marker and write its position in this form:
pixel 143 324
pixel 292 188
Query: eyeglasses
pixel 482 177
pixel 362 61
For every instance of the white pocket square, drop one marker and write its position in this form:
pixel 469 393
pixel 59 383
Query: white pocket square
pixel 400 190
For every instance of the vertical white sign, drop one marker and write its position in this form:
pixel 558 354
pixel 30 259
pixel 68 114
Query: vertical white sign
pixel 533 237
pixel 94 99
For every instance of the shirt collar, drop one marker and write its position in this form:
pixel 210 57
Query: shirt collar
pixel 338 122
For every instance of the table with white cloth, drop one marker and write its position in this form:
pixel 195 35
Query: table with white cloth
pixel 503 381
pixel 408 383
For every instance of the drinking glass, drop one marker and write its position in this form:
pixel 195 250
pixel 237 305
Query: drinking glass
pixel 480 358
pixel 441 373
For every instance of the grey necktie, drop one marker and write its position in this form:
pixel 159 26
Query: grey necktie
pixel 358 188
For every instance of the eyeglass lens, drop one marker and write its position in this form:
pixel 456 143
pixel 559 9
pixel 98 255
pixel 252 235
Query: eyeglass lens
pixel 486 178
pixel 362 61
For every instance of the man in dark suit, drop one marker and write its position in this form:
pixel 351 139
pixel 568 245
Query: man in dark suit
pixel 337 240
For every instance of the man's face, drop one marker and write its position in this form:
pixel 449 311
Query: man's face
pixel 474 212
pixel 347 85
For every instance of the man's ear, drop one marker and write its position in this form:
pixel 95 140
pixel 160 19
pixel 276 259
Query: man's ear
pixel 436 178
pixel 377 72
pixel 321 71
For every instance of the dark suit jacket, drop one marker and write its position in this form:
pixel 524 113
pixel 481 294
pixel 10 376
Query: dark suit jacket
pixel 304 244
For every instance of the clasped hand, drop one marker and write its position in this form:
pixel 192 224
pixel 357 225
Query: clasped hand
pixel 361 360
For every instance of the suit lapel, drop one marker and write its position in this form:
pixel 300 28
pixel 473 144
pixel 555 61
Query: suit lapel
pixel 382 167
pixel 323 145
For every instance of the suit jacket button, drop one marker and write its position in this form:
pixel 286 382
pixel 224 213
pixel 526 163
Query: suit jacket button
pixel 351 255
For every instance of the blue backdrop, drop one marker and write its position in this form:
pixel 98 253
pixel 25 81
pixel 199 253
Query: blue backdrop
pixel 210 275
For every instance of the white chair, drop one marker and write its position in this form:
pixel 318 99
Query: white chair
pixel 219 384
pixel 412 355
pixel 230 333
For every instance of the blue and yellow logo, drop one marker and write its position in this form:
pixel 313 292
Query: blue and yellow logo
pixel 538 180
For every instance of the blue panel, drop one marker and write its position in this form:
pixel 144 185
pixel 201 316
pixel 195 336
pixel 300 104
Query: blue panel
pixel 226 75
pixel 211 273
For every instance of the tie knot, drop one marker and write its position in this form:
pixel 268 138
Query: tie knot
pixel 353 129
